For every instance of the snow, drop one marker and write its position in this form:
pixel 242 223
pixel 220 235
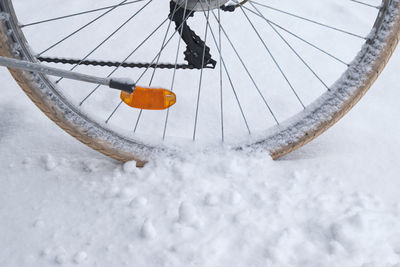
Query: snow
pixel 228 209
pixel 335 202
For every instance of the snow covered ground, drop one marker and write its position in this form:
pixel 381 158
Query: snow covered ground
pixel 335 202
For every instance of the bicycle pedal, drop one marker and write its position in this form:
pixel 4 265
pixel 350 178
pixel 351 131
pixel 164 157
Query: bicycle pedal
pixel 149 98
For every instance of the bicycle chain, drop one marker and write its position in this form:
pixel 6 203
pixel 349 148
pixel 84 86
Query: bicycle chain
pixel 113 63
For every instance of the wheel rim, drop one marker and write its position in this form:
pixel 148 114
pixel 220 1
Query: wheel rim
pixel 278 136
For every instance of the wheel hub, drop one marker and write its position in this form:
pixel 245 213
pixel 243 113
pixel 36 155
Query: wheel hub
pixel 201 5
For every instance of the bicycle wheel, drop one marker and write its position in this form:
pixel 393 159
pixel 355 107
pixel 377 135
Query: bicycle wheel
pixel 264 76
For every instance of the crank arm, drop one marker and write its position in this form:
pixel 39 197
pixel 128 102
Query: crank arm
pixel 132 95
pixel 120 84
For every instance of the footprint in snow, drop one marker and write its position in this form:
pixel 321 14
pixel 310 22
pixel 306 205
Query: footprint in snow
pixel 38 223
pixel 127 193
pixel 187 213
pixel 45 252
pixel 80 257
pixel 112 192
pixel 61 256
pixel 49 162
pixel 129 167
pixel 235 198
pixel 148 231
pixel 138 202
pixel 211 200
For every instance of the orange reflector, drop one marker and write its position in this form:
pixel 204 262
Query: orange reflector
pixel 149 98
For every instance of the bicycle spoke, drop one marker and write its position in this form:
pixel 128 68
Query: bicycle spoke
pixel 246 69
pixel 299 38
pixel 77 14
pixel 109 36
pixel 163 42
pixel 201 74
pixel 274 60
pixel 220 73
pixel 114 111
pixel 230 82
pixel 291 48
pixel 309 20
pixel 173 78
pixel 80 29
pixel 365 4
pixel 236 96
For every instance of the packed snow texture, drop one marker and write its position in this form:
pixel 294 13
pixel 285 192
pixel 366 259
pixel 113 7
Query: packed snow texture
pixel 225 209
pixel 335 202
